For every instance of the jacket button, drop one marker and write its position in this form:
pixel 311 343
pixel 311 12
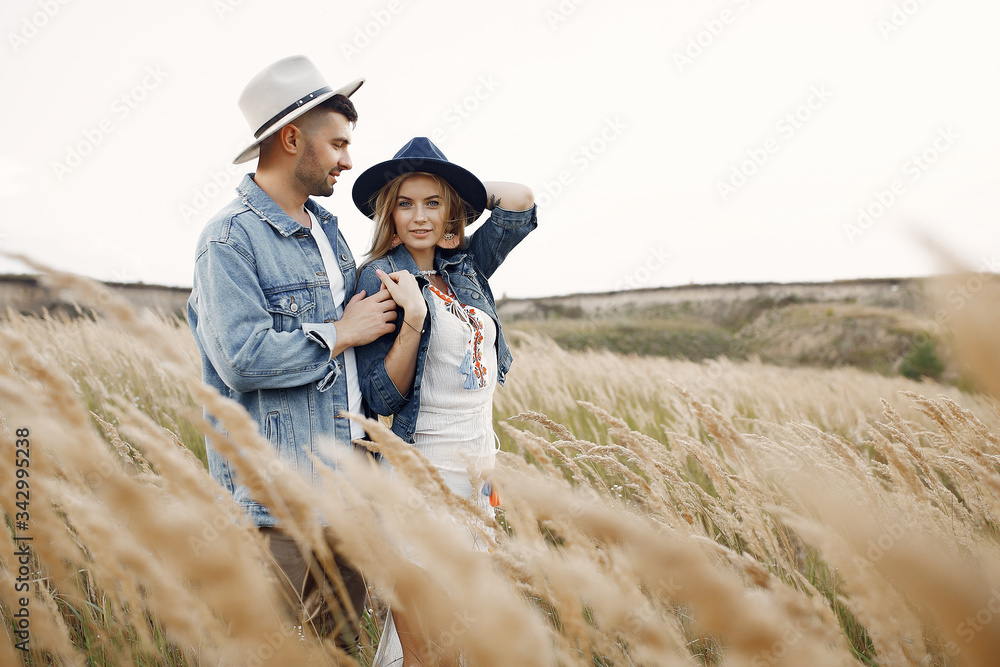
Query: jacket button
pixel 475 295
pixel 320 273
pixel 294 307
pixel 343 256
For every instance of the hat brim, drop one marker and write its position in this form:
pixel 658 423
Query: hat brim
pixel 373 179
pixel 253 150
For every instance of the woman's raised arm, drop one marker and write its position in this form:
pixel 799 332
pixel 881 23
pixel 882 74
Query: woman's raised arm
pixel 510 196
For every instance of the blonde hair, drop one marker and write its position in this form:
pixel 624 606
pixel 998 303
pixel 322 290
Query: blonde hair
pixel 457 213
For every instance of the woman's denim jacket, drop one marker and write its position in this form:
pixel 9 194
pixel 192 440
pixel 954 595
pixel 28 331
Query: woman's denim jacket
pixel 466 272
pixel 263 315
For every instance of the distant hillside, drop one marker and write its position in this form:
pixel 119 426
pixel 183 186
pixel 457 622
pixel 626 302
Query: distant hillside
pixel 873 324
pixel 25 294
pixel 721 303
pixel 724 304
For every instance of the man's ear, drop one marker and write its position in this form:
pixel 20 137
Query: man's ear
pixel 290 139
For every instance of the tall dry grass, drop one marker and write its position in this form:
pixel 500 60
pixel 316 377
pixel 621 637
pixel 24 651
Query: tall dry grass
pixel 655 512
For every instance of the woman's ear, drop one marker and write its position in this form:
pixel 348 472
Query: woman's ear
pixel 449 240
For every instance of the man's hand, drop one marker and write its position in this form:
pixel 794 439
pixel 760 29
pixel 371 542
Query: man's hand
pixel 365 319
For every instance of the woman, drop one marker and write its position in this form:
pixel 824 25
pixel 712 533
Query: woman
pixel 435 375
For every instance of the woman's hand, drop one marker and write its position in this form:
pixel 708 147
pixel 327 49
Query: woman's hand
pixel 404 290
pixel 401 360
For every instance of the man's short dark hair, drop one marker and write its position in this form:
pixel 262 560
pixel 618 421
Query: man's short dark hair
pixel 338 103
pixel 342 105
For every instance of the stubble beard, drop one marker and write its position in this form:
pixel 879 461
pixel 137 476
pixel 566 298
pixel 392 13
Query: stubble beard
pixel 307 172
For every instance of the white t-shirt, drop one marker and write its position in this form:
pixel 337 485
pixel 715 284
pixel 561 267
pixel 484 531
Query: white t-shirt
pixel 332 267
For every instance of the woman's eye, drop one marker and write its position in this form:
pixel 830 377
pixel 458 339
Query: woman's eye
pixel 433 204
pixel 404 204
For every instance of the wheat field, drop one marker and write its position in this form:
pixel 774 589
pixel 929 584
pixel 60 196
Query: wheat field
pixel 655 512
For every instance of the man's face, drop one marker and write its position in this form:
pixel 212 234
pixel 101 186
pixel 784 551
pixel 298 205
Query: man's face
pixel 324 153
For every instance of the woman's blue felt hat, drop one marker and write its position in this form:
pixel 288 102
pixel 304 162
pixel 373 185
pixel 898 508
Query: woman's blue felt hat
pixel 419 154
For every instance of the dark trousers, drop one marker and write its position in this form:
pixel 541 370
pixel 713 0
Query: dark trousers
pixel 318 605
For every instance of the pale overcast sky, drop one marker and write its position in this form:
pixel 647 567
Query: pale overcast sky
pixel 667 142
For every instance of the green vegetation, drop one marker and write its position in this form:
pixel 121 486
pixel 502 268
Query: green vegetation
pixel 922 361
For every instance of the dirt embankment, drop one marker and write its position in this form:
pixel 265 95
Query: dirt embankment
pixel 871 324
pixel 26 294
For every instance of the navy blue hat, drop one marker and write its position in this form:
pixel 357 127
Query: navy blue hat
pixel 419 154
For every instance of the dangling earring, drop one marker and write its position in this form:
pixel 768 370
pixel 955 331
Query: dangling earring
pixel 448 241
pixel 395 241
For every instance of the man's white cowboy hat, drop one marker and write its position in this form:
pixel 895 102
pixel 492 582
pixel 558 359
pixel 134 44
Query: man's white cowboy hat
pixel 279 94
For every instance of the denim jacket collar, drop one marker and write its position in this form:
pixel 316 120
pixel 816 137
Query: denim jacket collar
pixel 402 260
pixel 261 203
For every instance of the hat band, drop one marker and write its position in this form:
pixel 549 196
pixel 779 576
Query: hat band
pixel 290 108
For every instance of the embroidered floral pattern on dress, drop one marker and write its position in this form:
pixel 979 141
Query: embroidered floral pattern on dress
pixel 472 365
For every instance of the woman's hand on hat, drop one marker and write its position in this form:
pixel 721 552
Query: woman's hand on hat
pixel 404 290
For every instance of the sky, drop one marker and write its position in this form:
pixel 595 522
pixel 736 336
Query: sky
pixel 667 143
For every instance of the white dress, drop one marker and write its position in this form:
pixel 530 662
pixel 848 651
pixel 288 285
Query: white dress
pixel 454 428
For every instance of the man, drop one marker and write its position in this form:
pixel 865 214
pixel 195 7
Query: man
pixel 268 309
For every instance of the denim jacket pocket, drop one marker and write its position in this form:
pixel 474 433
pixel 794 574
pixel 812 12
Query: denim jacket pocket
pixel 467 288
pixel 290 308
pixel 278 440
pixel 271 426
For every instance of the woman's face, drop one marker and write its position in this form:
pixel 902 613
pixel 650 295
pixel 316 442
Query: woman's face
pixel 419 214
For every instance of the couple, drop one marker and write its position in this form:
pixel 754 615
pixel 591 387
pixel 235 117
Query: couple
pixel 287 327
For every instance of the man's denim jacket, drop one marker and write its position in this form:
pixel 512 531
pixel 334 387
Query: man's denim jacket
pixel 466 272
pixel 262 314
